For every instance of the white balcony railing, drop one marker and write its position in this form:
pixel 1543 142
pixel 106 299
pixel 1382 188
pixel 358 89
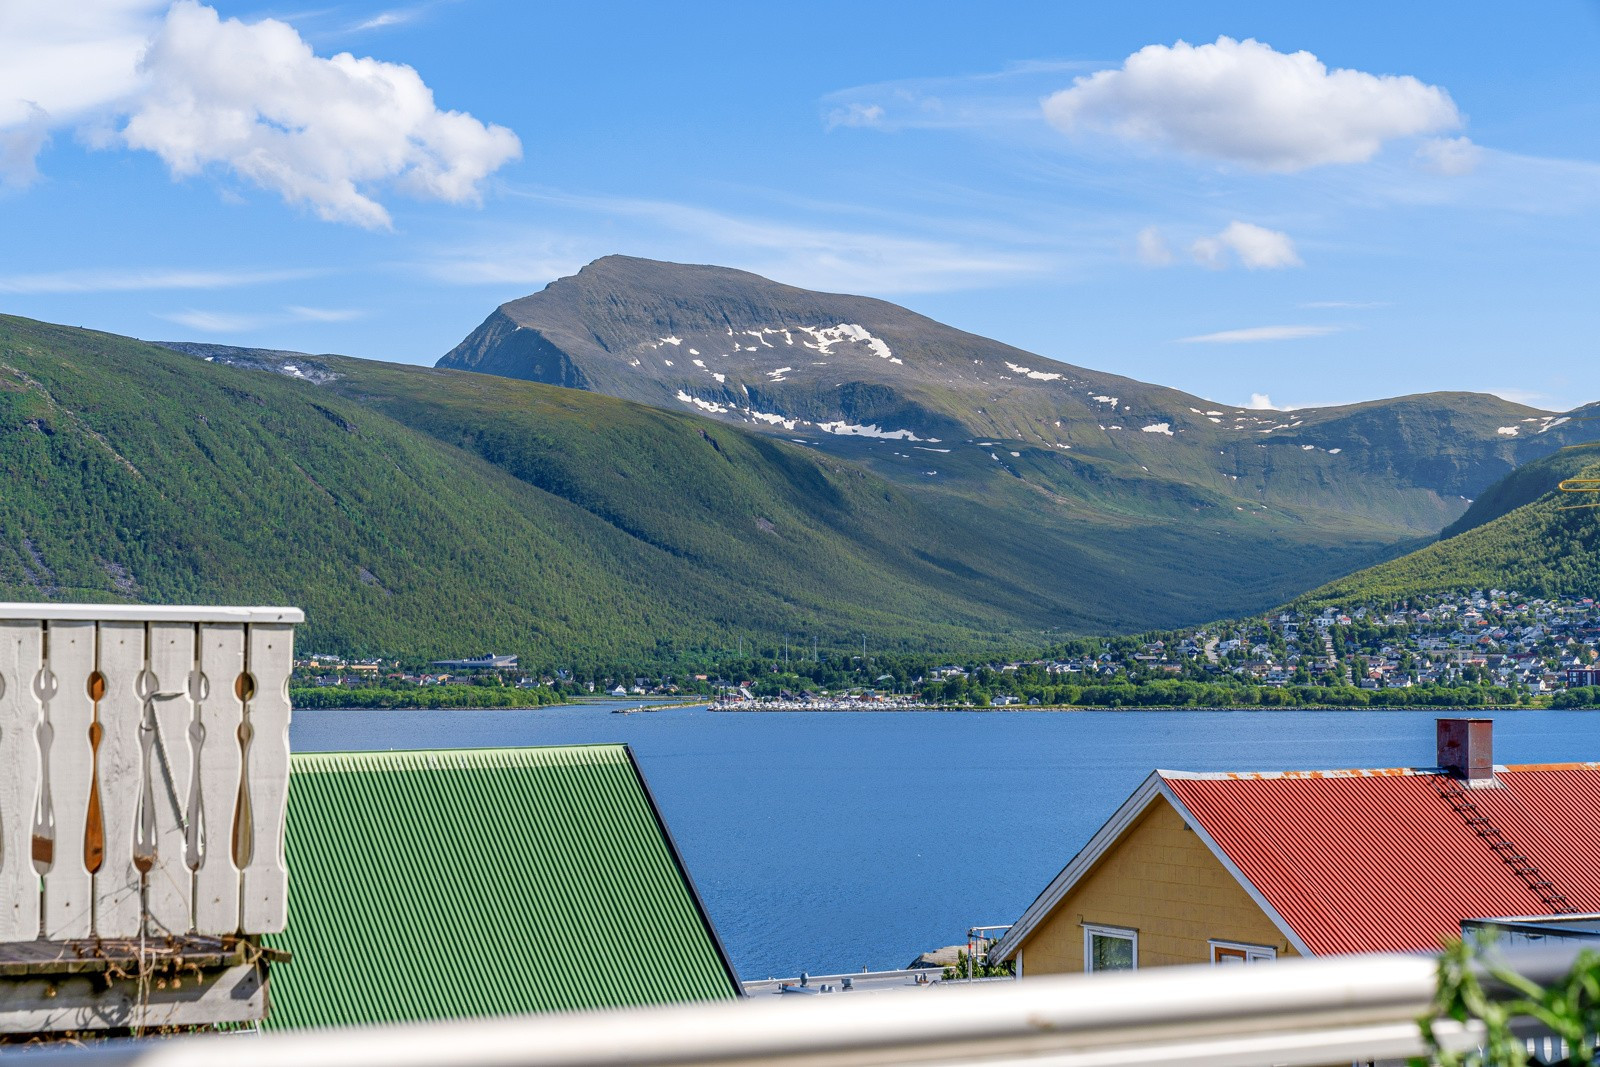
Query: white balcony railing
pixel 144 767
pixel 1289 1012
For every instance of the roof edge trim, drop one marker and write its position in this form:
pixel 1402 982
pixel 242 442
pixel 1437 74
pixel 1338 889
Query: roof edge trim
pixel 1362 772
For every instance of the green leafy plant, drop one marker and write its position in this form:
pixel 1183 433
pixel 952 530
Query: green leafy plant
pixel 1475 984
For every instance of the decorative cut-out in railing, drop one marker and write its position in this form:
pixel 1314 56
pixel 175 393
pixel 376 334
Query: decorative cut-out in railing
pixel 146 766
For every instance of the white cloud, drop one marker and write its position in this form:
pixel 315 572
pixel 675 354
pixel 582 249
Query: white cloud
pixel 201 92
pixel 856 114
pixel 1243 102
pixel 1255 247
pixel 1151 248
pixel 823 257
pixel 62 63
pixel 1260 402
pixel 20 147
pixel 385 19
pixel 1255 334
pixel 1450 156
pixel 990 101
pixel 124 281
pixel 305 314
pixel 215 321
pixel 243 322
pixel 68 59
pixel 256 100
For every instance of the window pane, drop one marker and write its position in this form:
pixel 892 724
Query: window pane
pixel 1110 953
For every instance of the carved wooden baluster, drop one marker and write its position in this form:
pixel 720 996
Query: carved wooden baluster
pixel 21 652
pixel 244 822
pixel 68 885
pixel 194 833
pixel 218 714
pixel 169 892
pixel 94 825
pixel 263 905
pixel 144 830
pixel 119 882
pixel 45 687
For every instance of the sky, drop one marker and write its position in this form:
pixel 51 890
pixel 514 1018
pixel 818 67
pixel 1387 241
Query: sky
pixel 1265 204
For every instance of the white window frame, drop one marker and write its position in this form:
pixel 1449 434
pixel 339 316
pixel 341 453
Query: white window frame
pixel 1252 953
pixel 1093 930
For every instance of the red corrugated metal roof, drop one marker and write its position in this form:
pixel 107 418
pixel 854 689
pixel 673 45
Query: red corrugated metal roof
pixel 1378 861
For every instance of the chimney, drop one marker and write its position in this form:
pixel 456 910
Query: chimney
pixel 1466 749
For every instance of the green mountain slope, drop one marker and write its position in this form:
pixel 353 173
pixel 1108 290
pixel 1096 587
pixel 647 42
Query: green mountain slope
pixel 1548 546
pixel 432 512
pixel 139 473
pixel 841 542
pixel 1525 485
pixel 412 510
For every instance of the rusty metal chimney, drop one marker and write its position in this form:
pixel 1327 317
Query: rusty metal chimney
pixel 1466 749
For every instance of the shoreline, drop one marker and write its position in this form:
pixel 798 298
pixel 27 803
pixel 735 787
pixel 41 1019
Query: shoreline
pixel 952 708
pixel 1015 708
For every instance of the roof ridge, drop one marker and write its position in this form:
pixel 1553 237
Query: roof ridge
pixel 1337 772
pixel 1366 772
pixel 312 762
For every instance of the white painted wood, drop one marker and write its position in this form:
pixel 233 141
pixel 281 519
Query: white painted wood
pixel 148 613
pixel 216 881
pixel 264 899
pixel 68 889
pixel 21 651
pixel 93 1002
pixel 169 903
pixel 118 908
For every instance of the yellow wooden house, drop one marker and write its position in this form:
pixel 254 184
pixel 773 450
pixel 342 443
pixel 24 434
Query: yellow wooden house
pixel 1244 867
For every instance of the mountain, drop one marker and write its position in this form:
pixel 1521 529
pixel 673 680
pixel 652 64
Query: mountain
pixel 426 512
pixel 1526 537
pixel 433 512
pixel 845 549
pixel 563 526
pixel 918 401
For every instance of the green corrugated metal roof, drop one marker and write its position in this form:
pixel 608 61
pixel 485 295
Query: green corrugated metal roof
pixel 427 885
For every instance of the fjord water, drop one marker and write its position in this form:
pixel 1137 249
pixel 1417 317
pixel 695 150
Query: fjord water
pixel 828 842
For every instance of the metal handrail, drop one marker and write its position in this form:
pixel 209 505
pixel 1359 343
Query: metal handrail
pixel 1292 1012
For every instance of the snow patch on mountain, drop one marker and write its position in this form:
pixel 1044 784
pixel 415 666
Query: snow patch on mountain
pixel 847 429
pixel 1042 376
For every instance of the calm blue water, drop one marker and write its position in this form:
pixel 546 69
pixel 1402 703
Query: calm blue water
pixel 829 842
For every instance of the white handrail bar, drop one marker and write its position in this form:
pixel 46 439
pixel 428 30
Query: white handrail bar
pixel 1293 1012
pixel 149 613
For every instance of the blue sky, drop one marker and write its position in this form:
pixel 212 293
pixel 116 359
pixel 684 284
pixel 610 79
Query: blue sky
pixel 1168 191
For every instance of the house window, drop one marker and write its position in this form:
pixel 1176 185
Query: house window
pixel 1231 952
pixel 1109 948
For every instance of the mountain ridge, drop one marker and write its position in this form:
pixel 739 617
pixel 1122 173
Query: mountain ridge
pixel 875 382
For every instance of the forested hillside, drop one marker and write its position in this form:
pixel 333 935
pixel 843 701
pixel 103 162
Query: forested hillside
pixel 1549 546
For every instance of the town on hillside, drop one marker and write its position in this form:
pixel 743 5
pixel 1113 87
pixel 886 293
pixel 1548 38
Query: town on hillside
pixel 1481 648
